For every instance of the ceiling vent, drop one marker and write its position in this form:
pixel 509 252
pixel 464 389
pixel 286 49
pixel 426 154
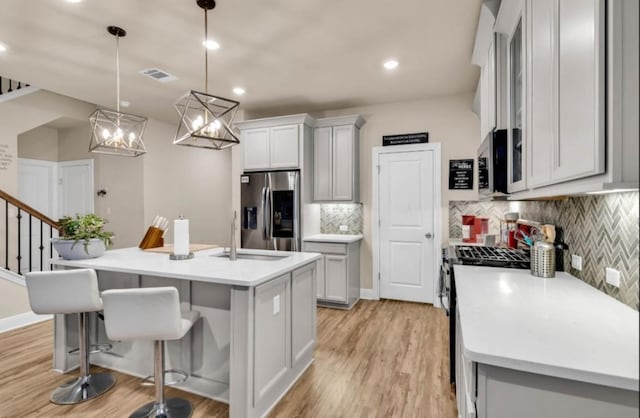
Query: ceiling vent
pixel 158 75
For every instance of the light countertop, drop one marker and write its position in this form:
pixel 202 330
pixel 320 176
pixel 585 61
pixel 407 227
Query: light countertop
pixel 338 238
pixel 560 327
pixel 203 267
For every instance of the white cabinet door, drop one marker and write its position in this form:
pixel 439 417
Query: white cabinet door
pixel 581 147
pixel 322 163
pixel 542 89
pixel 303 318
pixel 343 162
pixel 285 146
pixel 320 279
pixel 256 148
pixel 336 278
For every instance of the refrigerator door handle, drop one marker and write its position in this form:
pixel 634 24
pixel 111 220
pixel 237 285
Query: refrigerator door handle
pixel 269 214
pixel 264 213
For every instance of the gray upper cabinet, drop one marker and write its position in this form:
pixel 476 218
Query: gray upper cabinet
pixel 274 143
pixel 581 79
pixel 561 140
pixel 566 90
pixel 335 159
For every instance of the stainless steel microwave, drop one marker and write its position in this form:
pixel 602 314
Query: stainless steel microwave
pixel 492 165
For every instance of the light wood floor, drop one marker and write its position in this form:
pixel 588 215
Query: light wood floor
pixel 382 359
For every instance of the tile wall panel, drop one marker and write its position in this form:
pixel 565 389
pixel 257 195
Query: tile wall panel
pixel 603 229
pixel 333 215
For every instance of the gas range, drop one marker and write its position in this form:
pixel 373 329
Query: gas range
pixel 475 256
pixel 491 257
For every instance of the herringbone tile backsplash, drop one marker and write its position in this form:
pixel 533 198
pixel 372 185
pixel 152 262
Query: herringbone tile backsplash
pixel 603 229
pixel 333 215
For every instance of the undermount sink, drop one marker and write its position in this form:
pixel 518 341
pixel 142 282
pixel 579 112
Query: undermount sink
pixel 249 256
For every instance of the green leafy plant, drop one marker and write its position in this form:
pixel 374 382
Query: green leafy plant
pixel 84 228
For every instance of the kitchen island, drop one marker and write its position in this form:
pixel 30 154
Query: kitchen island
pixel 533 347
pixel 257 329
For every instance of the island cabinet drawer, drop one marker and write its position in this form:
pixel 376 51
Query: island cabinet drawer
pixel 325 248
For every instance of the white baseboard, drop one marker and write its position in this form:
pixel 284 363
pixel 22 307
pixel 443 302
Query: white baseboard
pixel 368 294
pixel 12 277
pixel 21 320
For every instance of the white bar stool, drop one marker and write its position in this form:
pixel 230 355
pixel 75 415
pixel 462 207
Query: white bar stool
pixel 68 292
pixel 150 314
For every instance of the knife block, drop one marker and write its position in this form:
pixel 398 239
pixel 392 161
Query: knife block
pixel 152 239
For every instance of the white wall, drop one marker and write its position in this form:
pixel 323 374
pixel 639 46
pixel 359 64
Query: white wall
pixel 192 182
pixel 449 121
pixel 40 143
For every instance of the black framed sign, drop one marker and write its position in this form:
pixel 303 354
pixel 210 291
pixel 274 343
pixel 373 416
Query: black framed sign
pixel 403 139
pixel 461 174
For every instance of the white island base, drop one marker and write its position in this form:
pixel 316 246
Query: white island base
pixel 251 344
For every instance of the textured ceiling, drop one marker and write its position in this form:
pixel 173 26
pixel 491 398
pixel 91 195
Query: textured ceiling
pixel 294 55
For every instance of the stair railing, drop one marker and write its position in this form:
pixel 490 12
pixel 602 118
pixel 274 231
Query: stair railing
pixel 23 210
pixel 9 84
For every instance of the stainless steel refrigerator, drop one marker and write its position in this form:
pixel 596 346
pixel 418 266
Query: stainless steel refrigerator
pixel 270 203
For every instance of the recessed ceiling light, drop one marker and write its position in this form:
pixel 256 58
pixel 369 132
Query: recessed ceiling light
pixel 211 44
pixel 125 103
pixel 238 90
pixel 73 1
pixel 390 64
pixel 2 47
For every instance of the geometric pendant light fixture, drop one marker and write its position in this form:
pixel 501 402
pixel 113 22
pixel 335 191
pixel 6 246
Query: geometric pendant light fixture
pixel 115 132
pixel 206 120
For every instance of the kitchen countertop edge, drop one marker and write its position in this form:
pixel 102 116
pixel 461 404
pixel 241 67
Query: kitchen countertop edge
pixel 335 238
pixel 532 362
pixel 254 279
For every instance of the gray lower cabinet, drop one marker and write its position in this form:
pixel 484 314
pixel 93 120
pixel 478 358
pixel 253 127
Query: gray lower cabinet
pixel 272 354
pixel 487 391
pixel 285 332
pixel 338 273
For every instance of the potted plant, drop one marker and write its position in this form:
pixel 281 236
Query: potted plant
pixel 82 237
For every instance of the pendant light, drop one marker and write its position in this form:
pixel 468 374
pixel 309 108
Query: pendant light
pixel 205 119
pixel 115 132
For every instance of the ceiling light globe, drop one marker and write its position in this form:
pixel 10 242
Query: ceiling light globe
pixel 390 64
pixel 211 44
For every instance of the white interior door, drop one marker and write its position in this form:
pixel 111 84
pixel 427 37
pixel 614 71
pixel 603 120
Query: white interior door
pixel 406 227
pixel 75 184
pixel 36 188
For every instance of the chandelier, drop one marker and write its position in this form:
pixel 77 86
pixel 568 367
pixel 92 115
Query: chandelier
pixel 205 119
pixel 115 132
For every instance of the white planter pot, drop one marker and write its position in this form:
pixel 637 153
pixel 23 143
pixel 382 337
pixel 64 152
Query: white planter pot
pixel 70 250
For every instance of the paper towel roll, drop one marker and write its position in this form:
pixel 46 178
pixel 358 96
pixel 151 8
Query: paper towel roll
pixel 181 236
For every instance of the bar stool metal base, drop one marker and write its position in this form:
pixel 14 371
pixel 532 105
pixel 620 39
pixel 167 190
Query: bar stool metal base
pixel 172 408
pixel 82 389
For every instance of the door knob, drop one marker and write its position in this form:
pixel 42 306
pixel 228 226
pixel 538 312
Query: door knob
pixel 428 235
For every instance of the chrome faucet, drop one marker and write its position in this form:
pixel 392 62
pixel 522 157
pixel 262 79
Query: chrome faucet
pixel 232 247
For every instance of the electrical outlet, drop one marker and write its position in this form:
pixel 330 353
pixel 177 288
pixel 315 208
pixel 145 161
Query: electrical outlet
pixel 613 277
pixel 344 228
pixel 276 305
pixel 576 262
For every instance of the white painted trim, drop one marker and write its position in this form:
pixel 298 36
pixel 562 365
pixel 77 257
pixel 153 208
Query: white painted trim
pixel 299 119
pixel 21 320
pixel 88 162
pixel 17 93
pixel 356 120
pixel 437 211
pixel 12 277
pixel 368 294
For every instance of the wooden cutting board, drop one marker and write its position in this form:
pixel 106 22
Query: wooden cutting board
pixel 168 249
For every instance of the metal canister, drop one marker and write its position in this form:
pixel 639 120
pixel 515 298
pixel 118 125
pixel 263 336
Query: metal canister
pixel 543 260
